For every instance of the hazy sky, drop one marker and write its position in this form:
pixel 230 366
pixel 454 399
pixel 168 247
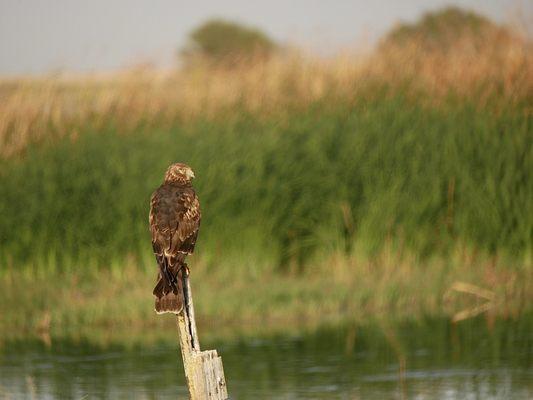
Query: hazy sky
pixel 38 36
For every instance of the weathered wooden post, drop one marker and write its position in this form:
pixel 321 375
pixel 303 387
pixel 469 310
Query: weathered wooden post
pixel 203 369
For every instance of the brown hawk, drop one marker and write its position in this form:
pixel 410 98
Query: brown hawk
pixel 174 223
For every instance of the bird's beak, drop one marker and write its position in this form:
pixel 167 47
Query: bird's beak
pixel 190 174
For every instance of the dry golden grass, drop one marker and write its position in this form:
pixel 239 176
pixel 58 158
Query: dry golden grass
pixel 33 110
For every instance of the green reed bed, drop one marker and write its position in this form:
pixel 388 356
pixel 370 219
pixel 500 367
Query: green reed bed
pixel 334 175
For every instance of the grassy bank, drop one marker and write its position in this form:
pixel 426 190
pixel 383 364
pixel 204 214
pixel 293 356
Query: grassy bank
pixel 355 187
pixel 242 299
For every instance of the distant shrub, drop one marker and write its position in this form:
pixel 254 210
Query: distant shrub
pixel 443 30
pixel 225 42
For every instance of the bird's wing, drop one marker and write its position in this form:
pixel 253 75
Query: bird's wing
pixel 158 232
pixel 186 232
pixel 174 220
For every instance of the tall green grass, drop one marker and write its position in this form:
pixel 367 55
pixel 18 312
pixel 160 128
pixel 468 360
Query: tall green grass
pixel 351 175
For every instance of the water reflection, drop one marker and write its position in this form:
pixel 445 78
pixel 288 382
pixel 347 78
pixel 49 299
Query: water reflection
pixel 424 360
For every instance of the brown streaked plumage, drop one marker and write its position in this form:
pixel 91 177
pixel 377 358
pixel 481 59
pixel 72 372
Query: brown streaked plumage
pixel 174 223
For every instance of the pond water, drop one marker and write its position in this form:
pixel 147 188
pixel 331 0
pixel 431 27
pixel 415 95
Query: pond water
pixel 430 359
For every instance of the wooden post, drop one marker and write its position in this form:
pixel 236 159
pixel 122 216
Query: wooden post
pixel 203 369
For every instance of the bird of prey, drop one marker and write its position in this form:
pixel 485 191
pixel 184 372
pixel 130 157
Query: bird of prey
pixel 174 223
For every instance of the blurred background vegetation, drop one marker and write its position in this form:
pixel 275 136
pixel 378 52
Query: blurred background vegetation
pixel 356 186
pixel 227 43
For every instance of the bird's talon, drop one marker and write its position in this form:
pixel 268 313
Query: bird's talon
pixel 185 269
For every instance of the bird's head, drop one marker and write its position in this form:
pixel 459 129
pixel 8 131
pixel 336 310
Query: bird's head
pixel 179 173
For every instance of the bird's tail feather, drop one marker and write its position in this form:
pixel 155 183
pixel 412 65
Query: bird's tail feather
pixel 168 298
pixel 169 303
pixel 163 287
